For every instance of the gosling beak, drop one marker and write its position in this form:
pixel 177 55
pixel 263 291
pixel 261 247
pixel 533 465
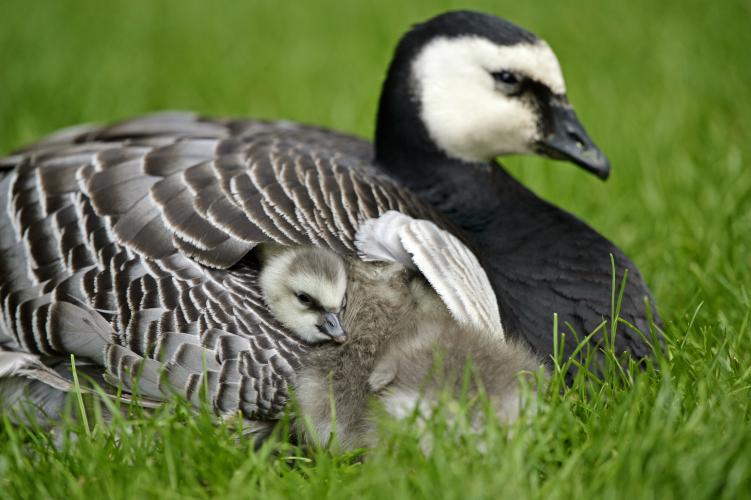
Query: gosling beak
pixel 332 327
pixel 565 139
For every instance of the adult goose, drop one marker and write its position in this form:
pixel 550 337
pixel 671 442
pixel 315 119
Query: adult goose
pixel 138 233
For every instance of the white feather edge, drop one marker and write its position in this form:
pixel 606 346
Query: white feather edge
pixel 29 366
pixel 379 239
pixel 449 266
pixel 23 365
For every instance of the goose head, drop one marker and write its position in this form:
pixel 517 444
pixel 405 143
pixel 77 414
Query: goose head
pixel 305 289
pixel 472 87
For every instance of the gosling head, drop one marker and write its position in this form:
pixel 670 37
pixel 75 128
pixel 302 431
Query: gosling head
pixel 305 289
pixel 472 87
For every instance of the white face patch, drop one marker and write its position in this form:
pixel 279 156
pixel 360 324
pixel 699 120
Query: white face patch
pixel 279 287
pixel 465 114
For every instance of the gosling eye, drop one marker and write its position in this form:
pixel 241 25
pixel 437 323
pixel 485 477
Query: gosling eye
pixel 304 299
pixel 507 81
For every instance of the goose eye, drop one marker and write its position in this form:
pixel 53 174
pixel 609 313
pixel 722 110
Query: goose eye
pixel 509 82
pixel 304 299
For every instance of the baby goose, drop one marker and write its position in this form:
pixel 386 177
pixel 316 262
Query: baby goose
pixel 399 323
pixel 304 288
pixel 397 328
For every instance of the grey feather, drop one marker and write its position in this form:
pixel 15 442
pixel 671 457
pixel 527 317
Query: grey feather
pixel 140 231
pixel 449 266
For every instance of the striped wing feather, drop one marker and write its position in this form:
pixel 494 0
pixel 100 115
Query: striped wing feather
pixel 125 245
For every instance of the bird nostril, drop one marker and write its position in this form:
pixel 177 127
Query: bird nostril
pixel 577 139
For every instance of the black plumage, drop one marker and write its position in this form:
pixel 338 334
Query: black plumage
pixel 540 259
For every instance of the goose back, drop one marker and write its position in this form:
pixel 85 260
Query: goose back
pixel 126 245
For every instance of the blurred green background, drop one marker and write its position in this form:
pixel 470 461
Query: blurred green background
pixel 663 87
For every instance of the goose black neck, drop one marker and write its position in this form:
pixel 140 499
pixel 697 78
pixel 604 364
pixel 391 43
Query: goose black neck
pixel 400 135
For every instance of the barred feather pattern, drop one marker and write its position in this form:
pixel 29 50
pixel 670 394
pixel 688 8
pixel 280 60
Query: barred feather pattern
pixel 125 245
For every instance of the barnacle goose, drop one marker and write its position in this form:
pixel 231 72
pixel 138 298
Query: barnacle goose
pixel 412 336
pixel 127 244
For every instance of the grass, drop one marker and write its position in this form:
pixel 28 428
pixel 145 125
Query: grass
pixel 663 87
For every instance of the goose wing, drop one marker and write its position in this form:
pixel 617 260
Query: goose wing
pixel 449 266
pixel 126 245
pixel 215 190
pixel 28 387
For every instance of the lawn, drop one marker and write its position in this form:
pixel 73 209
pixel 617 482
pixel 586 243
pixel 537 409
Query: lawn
pixel 663 87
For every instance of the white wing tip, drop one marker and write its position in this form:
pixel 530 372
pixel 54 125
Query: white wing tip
pixel 379 239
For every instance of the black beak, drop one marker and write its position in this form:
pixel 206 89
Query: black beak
pixel 565 139
pixel 332 327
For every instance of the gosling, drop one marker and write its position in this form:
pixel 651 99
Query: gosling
pixel 397 328
pixel 304 288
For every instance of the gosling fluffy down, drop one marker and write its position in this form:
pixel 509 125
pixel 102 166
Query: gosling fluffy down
pixel 404 350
